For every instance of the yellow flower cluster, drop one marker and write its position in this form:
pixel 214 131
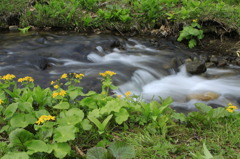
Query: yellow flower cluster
pixel 44 118
pixel 27 78
pixel 107 73
pixel 61 93
pixel 8 77
pixel 80 75
pixel 194 20
pixel 128 93
pixel 231 108
pixel 1 101
pixel 56 86
pixel 64 76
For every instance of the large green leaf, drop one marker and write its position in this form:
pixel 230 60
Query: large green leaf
pixel 86 124
pixel 44 131
pixel 61 149
pixel 25 107
pixel 22 120
pixel 112 106
pixel 34 146
pixel 121 150
pixel 219 112
pixel 10 110
pixel 64 133
pixel 97 153
pixel 71 117
pixel 19 136
pixel 73 93
pixel 121 116
pixel 203 107
pixel 16 155
pixel 62 105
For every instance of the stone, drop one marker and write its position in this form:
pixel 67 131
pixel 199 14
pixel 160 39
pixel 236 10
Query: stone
pixel 214 59
pixel 196 67
pixel 203 96
pixel 13 28
pixel 238 61
pixel 222 63
pixel 210 64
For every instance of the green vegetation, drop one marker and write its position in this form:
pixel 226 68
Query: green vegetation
pixel 124 15
pixel 62 121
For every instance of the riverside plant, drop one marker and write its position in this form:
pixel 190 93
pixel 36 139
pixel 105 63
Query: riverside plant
pixel 34 120
pixel 61 120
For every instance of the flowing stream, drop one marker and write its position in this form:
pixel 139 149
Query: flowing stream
pixel 141 68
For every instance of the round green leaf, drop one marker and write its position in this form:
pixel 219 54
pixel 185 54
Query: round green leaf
pixel 34 146
pixel 64 133
pixel 19 136
pixel 62 105
pixel 16 155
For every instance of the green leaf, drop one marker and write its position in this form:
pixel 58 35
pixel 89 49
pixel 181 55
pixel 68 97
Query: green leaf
pixel 41 112
pixel 71 117
pixel 206 152
pixel 44 131
pixel 94 113
pixel 97 153
pixel 25 107
pixel 179 116
pixel 34 146
pixel 121 116
pixel 203 107
pixel 122 150
pixel 86 124
pixel 19 136
pixel 112 106
pixel 10 110
pixel 16 155
pixel 62 105
pixel 74 93
pixel 101 126
pixel 22 120
pixel 192 43
pixel 61 149
pixel 219 112
pixel 64 133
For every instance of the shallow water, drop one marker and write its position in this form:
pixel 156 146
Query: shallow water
pixel 141 68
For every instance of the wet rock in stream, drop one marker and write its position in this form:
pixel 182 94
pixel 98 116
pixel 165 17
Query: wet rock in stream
pixel 195 67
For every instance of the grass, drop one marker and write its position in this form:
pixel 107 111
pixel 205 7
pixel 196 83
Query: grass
pixel 121 15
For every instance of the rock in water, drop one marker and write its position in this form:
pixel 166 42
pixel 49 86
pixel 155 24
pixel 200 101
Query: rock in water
pixel 196 67
pixel 203 96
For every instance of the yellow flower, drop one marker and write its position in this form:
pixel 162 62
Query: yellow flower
pixel 80 75
pixel 55 94
pixel 27 78
pixel 1 101
pixel 194 20
pixel 107 73
pixel 128 93
pixel 62 93
pixel 231 108
pixel 8 77
pixel 44 118
pixel 56 86
pixel 64 76
pixel 52 82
